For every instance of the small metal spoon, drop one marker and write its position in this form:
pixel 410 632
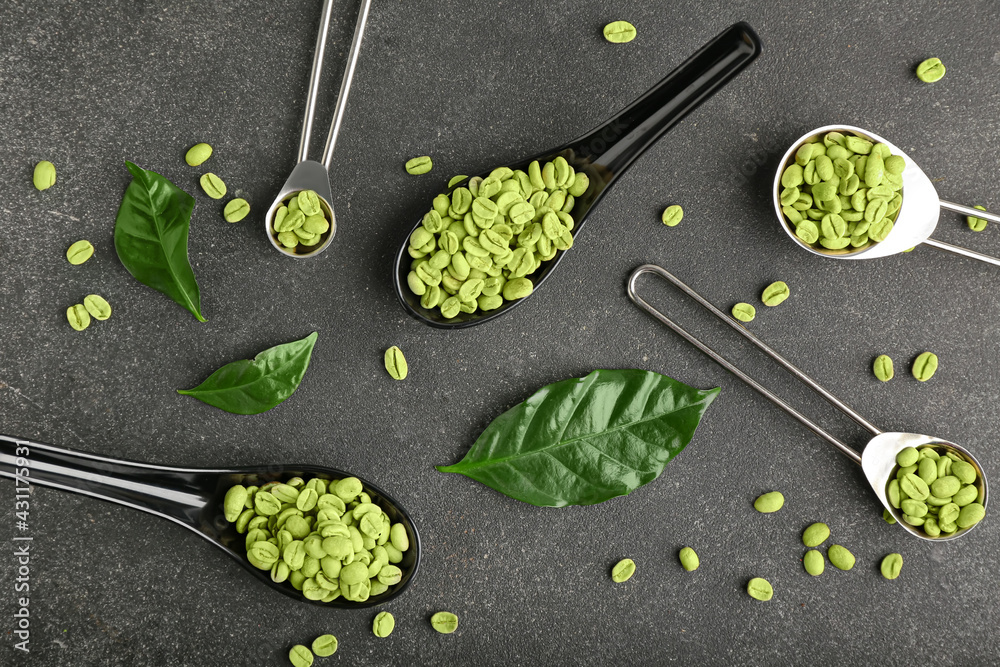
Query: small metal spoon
pixel 879 456
pixel 606 152
pixel 190 497
pixel 309 174
pixel 918 216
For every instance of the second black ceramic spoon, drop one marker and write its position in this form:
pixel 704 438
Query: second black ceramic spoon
pixel 190 497
pixel 607 151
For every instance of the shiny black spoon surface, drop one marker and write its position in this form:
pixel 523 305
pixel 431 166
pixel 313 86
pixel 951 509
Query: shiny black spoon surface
pixel 607 151
pixel 191 497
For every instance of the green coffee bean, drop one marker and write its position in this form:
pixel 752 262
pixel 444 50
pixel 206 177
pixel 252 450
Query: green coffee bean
pixel 970 515
pixel 964 472
pixel 80 252
pixel 324 645
pixel 444 622
pixel 775 293
pixel 689 559
pixel 98 308
pixel 976 224
pixel 78 317
pixel 419 165
pixel 44 176
pixel 883 367
pixel 744 312
pixel 930 70
pixel 672 215
pixel 814 562
pixel 395 363
pixel 840 557
pixel 623 570
pixel 760 589
pixel 946 487
pixel 815 534
pixel 888 517
pixel 924 366
pixel 907 457
pixel 300 656
pixel 213 186
pixel 383 624
pixel 236 210
pixel 769 502
pixel 233 503
pixel 198 154
pixel 891 565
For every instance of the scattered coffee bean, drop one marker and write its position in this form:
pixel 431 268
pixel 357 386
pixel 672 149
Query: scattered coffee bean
pixel 930 70
pixel 198 154
pixel 760 589
pixel 419 165
pixel 213 186
pixel 623 570
pixel 44 176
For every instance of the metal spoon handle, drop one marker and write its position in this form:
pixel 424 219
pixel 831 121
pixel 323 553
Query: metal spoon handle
pixel 964 252
pixel 968 210
pixel 345 84
pixel 172 493
pixel 324 28
pixel 722 361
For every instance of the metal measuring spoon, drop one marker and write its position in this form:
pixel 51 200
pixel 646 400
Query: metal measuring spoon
pixel 190 497
pixel 878 458
pixel 309 174
pixel 918 216
pixel 607 151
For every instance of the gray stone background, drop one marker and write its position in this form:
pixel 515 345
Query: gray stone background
pixel 89 84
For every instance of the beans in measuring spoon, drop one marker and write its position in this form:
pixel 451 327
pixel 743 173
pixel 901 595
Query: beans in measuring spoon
pixel 301 222
pixel 936 490
pixel 841 192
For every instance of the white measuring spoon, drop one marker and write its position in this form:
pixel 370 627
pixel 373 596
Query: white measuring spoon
pixel 918 216
pixel 309 174
pixel 877 460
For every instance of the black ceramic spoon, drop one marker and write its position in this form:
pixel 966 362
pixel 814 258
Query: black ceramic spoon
pixel 606 152
pixel 191 497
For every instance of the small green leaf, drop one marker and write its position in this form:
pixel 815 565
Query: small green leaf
pixel 250 387
pixel 585 440
pixel 151 237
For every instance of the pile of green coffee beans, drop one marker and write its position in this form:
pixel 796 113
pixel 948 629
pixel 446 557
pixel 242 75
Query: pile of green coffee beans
pixel 937 490
pixel 479 246
pixel 842 192
pixel 325 537
pixel 301 223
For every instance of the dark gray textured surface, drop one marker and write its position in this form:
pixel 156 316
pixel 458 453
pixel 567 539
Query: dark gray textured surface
pixel 89 84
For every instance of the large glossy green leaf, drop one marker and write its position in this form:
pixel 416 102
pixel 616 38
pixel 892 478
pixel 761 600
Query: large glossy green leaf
pixel 247 387
pixel 151 237
pixel 586 440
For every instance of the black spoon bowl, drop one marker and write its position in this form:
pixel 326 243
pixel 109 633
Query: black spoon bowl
pixel 190 497
pixel 607 151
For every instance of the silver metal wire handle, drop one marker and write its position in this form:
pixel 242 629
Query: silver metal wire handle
pixel 345 84
pixel 722 361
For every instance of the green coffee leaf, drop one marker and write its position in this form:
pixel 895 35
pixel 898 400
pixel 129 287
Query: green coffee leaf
pixel 584 440
pixel 151 237
pixel 248 387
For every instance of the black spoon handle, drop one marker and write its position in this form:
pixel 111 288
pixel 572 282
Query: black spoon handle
pixel 618 142
pixel 173 493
